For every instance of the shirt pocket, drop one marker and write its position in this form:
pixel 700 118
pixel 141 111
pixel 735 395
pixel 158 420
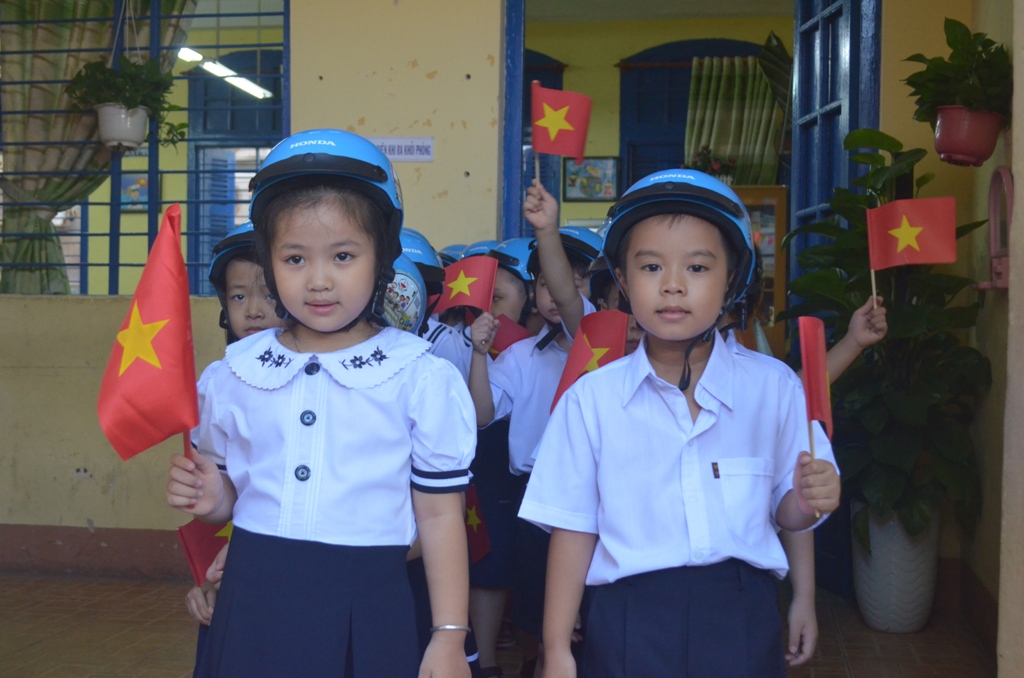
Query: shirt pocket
pixel 747 491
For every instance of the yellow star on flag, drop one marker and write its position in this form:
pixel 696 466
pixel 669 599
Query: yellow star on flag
pixel 554 121
pixel 137 340
pixel 226 531
pixel 595 355
pixel 906 234
pixel 472 519
pixel 461 284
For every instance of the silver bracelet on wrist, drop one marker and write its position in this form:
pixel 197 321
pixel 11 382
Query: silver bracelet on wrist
pixel 450 627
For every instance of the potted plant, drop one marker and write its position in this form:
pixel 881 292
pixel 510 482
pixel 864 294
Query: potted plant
pixel 965 98
pixel 124 99
pixel 901 413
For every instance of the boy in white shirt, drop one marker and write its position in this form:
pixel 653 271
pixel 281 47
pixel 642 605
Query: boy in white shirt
pixel 664 474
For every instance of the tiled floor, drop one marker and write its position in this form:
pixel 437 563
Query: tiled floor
pixel 78 627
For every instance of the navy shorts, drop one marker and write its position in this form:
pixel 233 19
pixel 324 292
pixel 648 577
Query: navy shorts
pixel 718 620
pixel 531 565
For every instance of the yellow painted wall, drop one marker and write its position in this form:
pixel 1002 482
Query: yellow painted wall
pixel 911 26
pixel 387 69
pixel 56 467
pixel 591 50
pixel 412 69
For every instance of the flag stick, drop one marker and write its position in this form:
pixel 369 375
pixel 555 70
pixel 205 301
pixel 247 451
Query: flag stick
pixel 186 438
pixel 874 294
pixel 810 437
pixel 536 166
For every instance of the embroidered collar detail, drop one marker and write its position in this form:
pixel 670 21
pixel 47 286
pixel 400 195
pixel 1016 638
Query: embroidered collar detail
pixel 263 362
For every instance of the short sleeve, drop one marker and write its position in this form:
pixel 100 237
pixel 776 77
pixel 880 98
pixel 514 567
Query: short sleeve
pixel 562 491
pixel 210 438
pixel 504 374
pixel 443 430
pixel 793 440
pixel 450 345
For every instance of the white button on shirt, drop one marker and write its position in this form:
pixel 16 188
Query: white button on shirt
pixel 622 458
pixel 328 454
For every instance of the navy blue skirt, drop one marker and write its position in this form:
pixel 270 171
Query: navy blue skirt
pixel 719 620
pixel 498 492
pixel 531 566
pixel 288 607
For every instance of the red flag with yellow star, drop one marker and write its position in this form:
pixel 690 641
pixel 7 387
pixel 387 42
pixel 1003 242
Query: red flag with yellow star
pixel 560 120
pixel 815 371
pixel 477 536
pixel 509 332
pixel 600 339
pixel 201 543
pixel 918 231
pixel 149 387
pixel 468 282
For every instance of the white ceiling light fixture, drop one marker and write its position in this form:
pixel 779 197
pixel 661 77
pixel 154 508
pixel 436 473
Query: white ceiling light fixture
pixel 222 71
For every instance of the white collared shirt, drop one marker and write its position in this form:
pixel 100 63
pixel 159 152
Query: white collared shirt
pixel 453 346
pixel 524 379
pixel 324 447
pixel 622 458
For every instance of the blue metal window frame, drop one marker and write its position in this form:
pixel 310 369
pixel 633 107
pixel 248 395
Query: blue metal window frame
pixel 835 90
pixel 512 138
pixel 155 204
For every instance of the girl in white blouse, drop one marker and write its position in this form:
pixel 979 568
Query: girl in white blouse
pixel 342 440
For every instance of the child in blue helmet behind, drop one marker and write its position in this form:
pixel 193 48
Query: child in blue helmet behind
pixel 663 475
pixel 343 440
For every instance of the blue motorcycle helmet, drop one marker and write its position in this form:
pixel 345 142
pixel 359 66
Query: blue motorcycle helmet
pixel 451 254
pixel 480 248
pixel 417 248
pixel 513 255
pixel 582 246
pixel 239 243
pixel 683 191
pixel 405 298
pixel 340 159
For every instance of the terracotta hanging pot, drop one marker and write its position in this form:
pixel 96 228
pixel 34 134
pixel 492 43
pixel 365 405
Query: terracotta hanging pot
pixel 121 128
pixel 964 136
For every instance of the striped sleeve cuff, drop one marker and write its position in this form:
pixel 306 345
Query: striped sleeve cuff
pixel 440 482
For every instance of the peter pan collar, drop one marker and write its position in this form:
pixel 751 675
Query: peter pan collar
pixel 262 361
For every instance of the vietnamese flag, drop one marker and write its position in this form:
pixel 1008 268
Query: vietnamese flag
pixel 509 332
pixel 469 282
pixel 201 543
pixel 600 339
pixel 149 387
pixel 560 120
pixel 918 231
pixel 815 373
pixel 477 536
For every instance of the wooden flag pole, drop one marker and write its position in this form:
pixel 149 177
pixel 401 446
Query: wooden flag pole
pixel 874 294
pixel 536 166
pixel 187 439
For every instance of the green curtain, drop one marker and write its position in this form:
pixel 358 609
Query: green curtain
pixel 32 142
pixel 733 112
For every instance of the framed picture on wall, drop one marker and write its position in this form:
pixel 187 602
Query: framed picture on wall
pixel 135 191
pixel 593 180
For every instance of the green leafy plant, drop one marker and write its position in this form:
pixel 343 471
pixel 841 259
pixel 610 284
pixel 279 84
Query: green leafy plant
pixel 977 75
pixel 131 85
pixel 902 413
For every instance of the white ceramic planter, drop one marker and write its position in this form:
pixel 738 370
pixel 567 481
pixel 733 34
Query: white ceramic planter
pixel 895 585
pixel 120 128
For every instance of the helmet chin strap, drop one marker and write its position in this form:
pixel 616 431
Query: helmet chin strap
pixel 684 380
